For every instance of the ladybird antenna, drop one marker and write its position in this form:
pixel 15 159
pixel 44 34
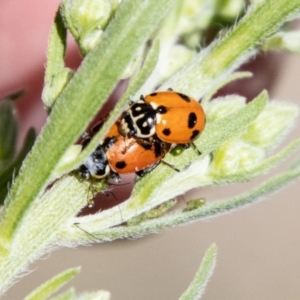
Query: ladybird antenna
pixel 187 146
pixel 118 207
pixel 116 200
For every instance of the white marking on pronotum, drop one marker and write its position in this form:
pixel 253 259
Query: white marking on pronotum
pixel 158 118
pixel 154 105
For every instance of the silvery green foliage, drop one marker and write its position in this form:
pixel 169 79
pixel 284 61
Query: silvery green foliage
pixel 239 142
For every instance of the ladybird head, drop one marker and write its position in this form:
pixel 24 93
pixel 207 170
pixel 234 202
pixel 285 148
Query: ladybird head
pixel 95 165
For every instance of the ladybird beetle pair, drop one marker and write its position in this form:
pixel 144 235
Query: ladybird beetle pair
pixel 143 135
pixel 119 154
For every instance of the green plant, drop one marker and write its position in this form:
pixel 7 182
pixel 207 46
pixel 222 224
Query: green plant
pixel 112 38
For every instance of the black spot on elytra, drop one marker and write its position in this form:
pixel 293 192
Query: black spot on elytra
pixel 184 97
pixel 153 94
pixel 161 109
pixel 121 164
pixel 194 134
pixel 166 131
pixel 192 119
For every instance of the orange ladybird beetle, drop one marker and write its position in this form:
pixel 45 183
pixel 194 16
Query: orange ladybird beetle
pixel 119 154
pixel 173 117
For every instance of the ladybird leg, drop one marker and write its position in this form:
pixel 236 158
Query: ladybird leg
pixel 186 146
pixel 116 203
pixel 115 176
pixel 196 149
pixel 152 140
pixel 160 148
pixel 142 97
pixel 146 141
pixel 170 89
pixel 84 172
pixel 170 166
pixel 146 171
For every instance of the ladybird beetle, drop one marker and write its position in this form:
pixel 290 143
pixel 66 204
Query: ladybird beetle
pixel 130 155
pixel 173 117
pixel 119 154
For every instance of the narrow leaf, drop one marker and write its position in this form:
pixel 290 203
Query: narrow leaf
pixel 51 286
pixel 98 295
pixel 67 295
pixel 232 77
pixel 65 12
pixel 56 48
pixel 146 70
pixel 13 96
pixel 198 285
pixel 39 231
pixel 7 175
pixel 8 132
